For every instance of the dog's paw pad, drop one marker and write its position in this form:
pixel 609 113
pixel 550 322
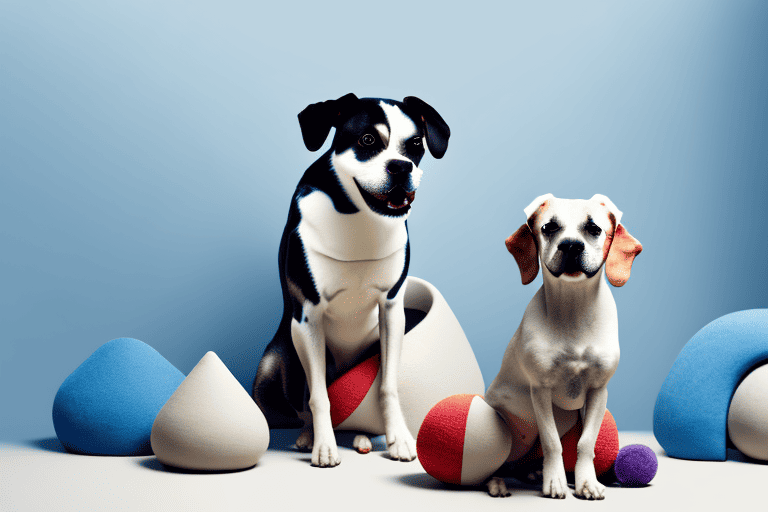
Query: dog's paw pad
pixel 362 444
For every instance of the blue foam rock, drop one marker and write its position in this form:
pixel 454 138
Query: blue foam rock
pixel 691 413
pixel 108 404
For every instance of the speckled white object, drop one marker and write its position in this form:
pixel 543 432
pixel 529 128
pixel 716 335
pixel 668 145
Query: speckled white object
pixel 748 415
pixel 210 423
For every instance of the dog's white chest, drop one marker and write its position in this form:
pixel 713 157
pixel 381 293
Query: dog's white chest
pixel 351 292
pixel 572 371
pixel 348 237
pixel 355 260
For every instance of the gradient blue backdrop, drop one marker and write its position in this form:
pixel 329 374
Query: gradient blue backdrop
pixel 148 153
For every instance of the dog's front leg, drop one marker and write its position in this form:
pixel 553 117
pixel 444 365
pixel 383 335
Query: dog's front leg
pixel 309 339
pixel 555 484
pixel 587 485
pixel 400 442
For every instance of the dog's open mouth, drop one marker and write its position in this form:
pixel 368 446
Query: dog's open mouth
pixel 397 201
pixel 396 198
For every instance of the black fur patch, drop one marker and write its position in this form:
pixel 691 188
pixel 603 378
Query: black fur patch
pixel 393 291
pixel 321 176
pixel 363 122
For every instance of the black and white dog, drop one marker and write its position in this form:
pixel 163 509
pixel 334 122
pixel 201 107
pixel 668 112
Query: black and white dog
pixel 343 260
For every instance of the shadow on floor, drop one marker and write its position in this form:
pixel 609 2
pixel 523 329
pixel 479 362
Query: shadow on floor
pixel 155 465
pixel 284 439
pixel 424 481
pixel 48 444
pixel 735 455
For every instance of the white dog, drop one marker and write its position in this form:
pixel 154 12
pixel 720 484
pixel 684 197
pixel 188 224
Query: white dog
pixel 566 348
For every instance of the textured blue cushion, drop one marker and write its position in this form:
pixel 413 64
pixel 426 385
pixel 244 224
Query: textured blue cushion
pixel 691 413
pixel 108 404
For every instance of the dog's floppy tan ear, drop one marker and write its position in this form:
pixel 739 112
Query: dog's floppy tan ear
pixel 618 264
pixel 522 246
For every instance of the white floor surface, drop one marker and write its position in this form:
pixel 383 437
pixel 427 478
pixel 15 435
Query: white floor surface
pixel 40 476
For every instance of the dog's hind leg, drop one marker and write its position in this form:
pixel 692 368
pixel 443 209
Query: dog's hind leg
pixel 497 487
pixel 306 439
pixel 279 385
pixel 362 443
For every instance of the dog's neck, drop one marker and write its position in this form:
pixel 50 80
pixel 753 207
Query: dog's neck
pixel 364 235
pixel 574 302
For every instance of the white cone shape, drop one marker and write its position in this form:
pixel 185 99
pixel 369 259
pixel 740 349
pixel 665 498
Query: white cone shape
pixel 210 423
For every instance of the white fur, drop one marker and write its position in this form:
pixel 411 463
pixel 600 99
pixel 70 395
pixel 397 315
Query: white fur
pixel 568 334
pixel 383 132
pixel 364 235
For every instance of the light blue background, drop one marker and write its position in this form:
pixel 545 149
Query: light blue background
pixel 149 151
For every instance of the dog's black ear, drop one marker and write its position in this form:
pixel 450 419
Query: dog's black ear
pixel 435 129
pixel 317 119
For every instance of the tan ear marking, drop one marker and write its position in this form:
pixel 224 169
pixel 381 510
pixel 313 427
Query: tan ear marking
pixel 624 249
pixel 522 245
pixel 532 209
pixel 612 210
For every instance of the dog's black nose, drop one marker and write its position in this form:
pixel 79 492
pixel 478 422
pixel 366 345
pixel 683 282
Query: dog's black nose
pixel 395 167
pixel 571 247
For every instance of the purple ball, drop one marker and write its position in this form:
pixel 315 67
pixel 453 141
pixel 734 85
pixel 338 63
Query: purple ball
pixel 635 465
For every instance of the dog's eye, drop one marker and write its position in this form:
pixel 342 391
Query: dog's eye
pixel 416 141
pixel 367 140
pixel 550 228
pixel 593 229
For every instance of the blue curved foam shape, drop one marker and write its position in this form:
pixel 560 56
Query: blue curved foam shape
pixel 108 404
pixel 691 414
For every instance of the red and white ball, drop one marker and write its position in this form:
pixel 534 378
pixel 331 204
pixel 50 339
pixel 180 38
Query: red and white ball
pixel 463 440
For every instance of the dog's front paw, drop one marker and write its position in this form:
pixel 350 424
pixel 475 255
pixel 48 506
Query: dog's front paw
pixel 587 486
pixel 401 446
pixel 362 444
pixel 555 484
pixel 497 488
pixel 590 490
pixel 325 453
